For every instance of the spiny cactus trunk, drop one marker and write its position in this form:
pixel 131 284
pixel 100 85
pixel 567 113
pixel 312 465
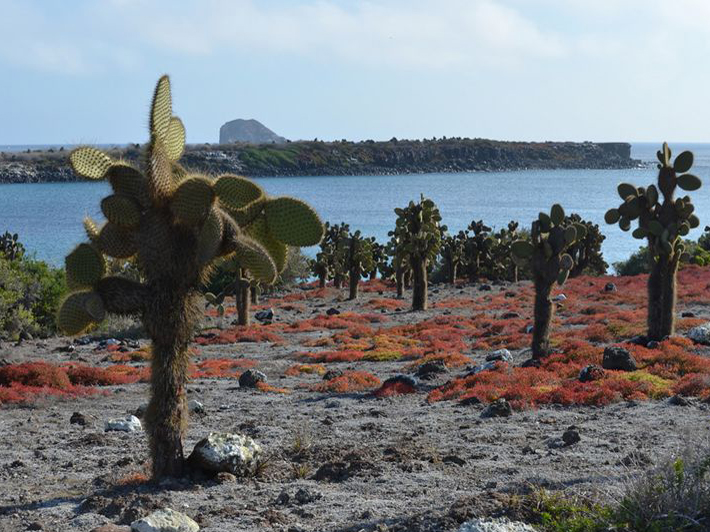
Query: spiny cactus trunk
pixel 655 300
pixel 169 318
pixel 668 295
pixel 243 300
pixel 473 270
pixel 452 267
pixel 354 280
pixel 408 279
pixel 419 288
pixel 254 292
pixel 399 281
pixel 662 298
pixel 544 309
pixel 321 280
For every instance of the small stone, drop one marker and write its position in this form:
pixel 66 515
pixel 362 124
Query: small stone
pixel 679 400
pixel 305 496
pixel 610 287
pixel 485 288
pixel 653 344
pixel 618 358
pixel 77 418
pixel 226 452
pixel 571 436
pixel 332 374
pixel 431 369
pixel 35 525
pixel 510 315
pixel 130 424
pixel 469 401
pixel 531 363
pixel 495 525
pixel 498 408
pixel 500 354
pixel 283 498
pixel 265 315
pixel 700 334
pixel 590 373
pixel 687 314
pixel 165 520
pixel 529 329
pixel 332 312
pixel 223 477
pixel 529 450
pixel 453 459
pixel 482 367
pixel 638 340
pixel 195 406
pixel 250 378
pixel 559 297
pixel 112 528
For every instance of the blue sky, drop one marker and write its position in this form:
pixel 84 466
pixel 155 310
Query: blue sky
pixel 605 70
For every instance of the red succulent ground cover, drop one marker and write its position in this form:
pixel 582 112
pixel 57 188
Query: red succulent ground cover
pixel 349 382
pixel 253 333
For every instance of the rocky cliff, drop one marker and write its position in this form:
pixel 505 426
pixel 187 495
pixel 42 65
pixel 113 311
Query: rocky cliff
pixel 350 158
pixel 248 131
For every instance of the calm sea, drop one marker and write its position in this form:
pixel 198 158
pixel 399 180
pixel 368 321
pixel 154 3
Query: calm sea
pixel 48 216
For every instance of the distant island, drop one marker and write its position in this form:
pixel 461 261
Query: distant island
pixel 250 131
pixel 303 158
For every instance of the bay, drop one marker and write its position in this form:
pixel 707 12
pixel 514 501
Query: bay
pixel 48 216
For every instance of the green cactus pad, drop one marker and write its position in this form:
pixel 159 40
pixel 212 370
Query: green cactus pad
pixel 161 182
pixel 693 221
pixel 92 230
pixel 639 233
pixel 293 222
pixel 612 216
pixel 624 223
pixel 121 210
pixel 522 249
pixel 566 262
pixel 193 200
pixel 557 214
pixel 90 163
pixel 625 190
pixel 562 277
pixel 254 258
pixel 161 109
pixel 210 237
pixel 116 241
pixel 175 139
pixel 683 229
pixel 127 181
pixel 545 222
pixel 689 182
pixel 235 192
pixel 73 317
pixel 278 251
pixel 683 162
pixel 570 234
pixel 84 267
pixel 655 227
pixel 652 195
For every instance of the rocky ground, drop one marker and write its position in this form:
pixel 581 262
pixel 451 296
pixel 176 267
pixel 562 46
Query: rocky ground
pixel 333 461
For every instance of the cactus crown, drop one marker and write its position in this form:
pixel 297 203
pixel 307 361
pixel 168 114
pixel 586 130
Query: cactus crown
pixel 662 220
pixel 358 253
pixel 418 229
pixel 551 237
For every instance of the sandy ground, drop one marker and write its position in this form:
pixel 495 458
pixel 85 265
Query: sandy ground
pixel 336 463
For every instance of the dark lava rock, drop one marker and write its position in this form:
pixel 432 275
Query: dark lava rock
pixel 332 374
pixel 77 418
pixel 498 408
pixel 531 363
pixel 250 378
pixel 485 288
pixel 305 496
pixel 592 372
pixel 332 472
pixel 431 369
pixel 638 340
pixel 679 400
pixel 265 315
pixel 610 287
pixel 453 459
pixel 510 315
pixel 470 401
pixel 502 355
pixel 653 344
pixel 687 314
pixel 332 311
pixel 618 358
pixel 571 436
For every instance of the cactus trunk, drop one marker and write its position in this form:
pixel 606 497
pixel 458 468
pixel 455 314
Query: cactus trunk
pixel 354 280
pixel 399 281
pixel 544 309
pixel 419 288
pixel 321 280
pixel 254 292
pixel 452 272
pixel 338 281
pixel 243 300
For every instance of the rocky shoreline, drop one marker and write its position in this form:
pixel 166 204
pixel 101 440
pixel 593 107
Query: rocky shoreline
pixel 317 158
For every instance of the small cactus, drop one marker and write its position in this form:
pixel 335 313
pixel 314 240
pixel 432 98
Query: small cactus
pixel 453 252
pixel 358 260
pixel 663 221
pixel 547 253
pixel 478 248
pixel 10 246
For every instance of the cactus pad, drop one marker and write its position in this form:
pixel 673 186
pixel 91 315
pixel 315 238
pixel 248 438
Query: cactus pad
pixel 84 267
pixel 522 249
pixel 557 214
pixel 683 162
pixel 127 181
pixel 236 192
pixel 689 182
pixel 121 210
pixel 253 257
pixel 210 237
pixel 161 109
pixel 116 241
pixel 90 163
pixel 175 139
pixel 192 201
pixel 161 182
pixel 293 222
pixel 73 317
pixel 278 251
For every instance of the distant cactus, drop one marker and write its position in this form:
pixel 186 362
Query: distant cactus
pixel 453 252
pixel 329 262
pixel 11 247
pixel 501 265
pixel 399 266
pixel 662 222
pixel 478 248
pixel 419 234
pixel 587 251
pixel 551 238
pixel 175 225
pixel 358 260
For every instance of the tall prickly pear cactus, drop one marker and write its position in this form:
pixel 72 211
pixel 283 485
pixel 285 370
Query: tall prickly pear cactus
pixel 419 234
pixel 478 248
pixel 399 263
pixel 453 251
pixel 663 221
pixel 358 259
pixel 175 225
pixel 550 263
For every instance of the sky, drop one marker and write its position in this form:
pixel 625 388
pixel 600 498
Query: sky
pixel 601 70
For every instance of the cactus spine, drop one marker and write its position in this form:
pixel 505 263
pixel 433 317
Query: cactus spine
pixel 662 222
pixel 175 225
pixel 419 234
pixel 551 238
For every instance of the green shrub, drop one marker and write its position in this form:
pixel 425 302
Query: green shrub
pixel 637 263
pixel 30 291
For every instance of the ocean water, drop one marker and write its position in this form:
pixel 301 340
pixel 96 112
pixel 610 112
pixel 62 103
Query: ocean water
pixel 48 216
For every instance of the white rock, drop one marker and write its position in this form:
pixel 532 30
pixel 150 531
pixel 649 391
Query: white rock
pixel 195 406
pixel 226 452
pixel 165 520
pixel 495 525
pixel 502 355
pixel 700 334
pixel 130 424
pixel 559 297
